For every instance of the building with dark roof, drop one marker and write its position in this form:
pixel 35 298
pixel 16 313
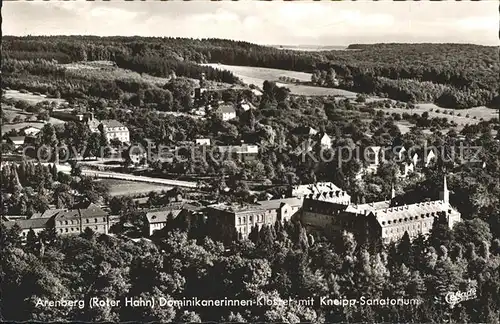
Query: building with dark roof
pixel 327 191
pixel 37 225
pixel 112 129
pixel 157 219
pixel 65 221
pixel 244 217
pixel 381 219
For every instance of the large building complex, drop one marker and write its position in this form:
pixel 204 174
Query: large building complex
pixel 380 219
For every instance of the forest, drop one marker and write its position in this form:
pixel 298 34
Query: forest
pixel 278 263
pixel 451 75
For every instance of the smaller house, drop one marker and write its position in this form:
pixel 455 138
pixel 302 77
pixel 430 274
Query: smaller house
pixel 256 92
pixel 228 112
pixel 158 218
pixel 324 140
pixel 31 130
pixel 37 225
pixel 245 152
pixel 202 141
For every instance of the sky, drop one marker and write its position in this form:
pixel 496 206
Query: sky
pixel 285 23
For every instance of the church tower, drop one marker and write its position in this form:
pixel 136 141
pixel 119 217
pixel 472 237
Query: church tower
pixel 445 194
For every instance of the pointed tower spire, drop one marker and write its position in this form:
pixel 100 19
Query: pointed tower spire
pixel 445 194
pixel 393 192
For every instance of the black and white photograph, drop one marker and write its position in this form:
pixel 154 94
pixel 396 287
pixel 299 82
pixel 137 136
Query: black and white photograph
pixel 250 162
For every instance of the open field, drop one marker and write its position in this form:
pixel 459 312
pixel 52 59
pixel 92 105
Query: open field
pixel 31 98
pixel 131 188
pixel 107 70
pixel 478 112
pixel 257 76
pixel 11 113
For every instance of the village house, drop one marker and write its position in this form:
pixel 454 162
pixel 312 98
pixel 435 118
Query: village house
pixel 202 141
pixel 324 140
pixel 244 152
pixel 429 158
pixel 244 217
pixel 112 129
pixel 31 130
pixel 227 112
pixel 157 219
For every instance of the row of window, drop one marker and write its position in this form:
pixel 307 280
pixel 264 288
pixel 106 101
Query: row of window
pixel 74 229
pixel 76 222
pixel 410 218
pixel 243 219
pixel 415 228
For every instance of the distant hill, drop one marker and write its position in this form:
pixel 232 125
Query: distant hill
pixel 310 48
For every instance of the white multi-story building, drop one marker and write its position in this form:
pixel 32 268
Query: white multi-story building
pixel 112 129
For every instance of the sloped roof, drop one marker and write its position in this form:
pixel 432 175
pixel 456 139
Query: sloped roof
pixel 17 138
pixel 161 215
pixel 111 123
pixel 47 214
pixel 412 211
pixel 227 109
pixel 240 149
pixel 28 223
pixel 374 206
pixel 276 203
pixel 91 211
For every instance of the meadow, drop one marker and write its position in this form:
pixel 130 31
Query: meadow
pixel 31 98
pixel 257 76
pixel 131 188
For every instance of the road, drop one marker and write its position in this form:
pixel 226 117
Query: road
pixel 129 177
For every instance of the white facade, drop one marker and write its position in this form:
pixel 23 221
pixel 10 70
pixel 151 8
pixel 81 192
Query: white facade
pixel 31 131
pixel 228 115
pixel 202 141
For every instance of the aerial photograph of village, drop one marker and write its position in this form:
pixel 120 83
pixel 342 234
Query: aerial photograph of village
pixel 242 162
